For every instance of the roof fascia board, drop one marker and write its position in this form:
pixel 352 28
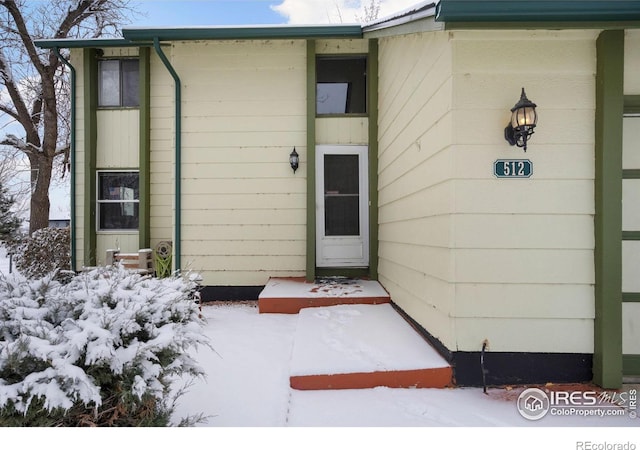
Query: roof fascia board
pixel 416 26
pixel 540 25
pixel 84 43
pixel 470 11
pixel 229 33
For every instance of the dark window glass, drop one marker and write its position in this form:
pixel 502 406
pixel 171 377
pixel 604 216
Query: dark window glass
pixel 118 200
pixel 341 85
pixel 341 195
pixel 118 82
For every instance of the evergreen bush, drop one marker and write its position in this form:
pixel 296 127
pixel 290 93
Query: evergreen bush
pixel 106 349
pixel 45 251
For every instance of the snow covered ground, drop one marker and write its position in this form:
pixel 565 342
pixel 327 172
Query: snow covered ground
pixel 248 386
pixel 248 402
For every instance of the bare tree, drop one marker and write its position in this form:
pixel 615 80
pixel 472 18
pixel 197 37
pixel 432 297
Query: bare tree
pixel 36 90
pixel 371 12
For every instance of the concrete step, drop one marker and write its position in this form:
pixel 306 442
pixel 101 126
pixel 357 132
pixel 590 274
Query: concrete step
pixel 360 346
pixel 290 295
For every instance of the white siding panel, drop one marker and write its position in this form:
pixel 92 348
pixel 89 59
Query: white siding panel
pixel 630 328
pixel 632 62
pixel 631 143
pixel 630 266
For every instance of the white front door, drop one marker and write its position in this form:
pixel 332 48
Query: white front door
pixel 342 206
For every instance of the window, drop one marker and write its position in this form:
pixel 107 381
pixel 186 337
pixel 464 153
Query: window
pixel 118 200
pixel 341 85
pixel 118 81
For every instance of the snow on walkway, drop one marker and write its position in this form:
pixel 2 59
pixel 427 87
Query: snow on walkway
pixel 248 386
pixel 358 339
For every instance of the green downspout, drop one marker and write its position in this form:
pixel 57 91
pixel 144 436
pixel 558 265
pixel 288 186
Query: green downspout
pixel 72 157
pixel 178 150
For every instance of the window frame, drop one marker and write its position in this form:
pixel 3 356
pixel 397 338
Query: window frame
pixel 121 95
pixel 365 82
pixel 99 201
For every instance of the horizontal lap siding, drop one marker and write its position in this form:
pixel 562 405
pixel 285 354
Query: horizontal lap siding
pixel 523 249
pixel 416 190
pixel 243 209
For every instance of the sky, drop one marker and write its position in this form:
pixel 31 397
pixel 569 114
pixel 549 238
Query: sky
pixel 257 12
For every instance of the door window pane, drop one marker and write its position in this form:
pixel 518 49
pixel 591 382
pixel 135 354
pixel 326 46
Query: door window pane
pixel 130 81
pixel 341 195
pixel 341 85
pixel 109 82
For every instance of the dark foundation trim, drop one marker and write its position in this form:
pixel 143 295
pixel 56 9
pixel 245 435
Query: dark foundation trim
pixel 505 368
pixel 229 293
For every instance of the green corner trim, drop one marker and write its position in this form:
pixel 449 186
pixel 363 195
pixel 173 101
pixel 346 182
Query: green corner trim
pixel 631 235
pixel 607 358
pixel 372 79
pixel 630 297
pixel 632 104
pixel 144 227
pixel 90 142
pixel 631 365
pixel 311 161
pixel 631 174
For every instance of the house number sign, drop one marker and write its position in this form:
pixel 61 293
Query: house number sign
pixel 513 168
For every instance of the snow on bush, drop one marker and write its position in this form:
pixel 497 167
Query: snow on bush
pixel 104 348
pixel 45 251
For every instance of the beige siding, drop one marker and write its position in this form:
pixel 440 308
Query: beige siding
pixel 342 130
pixel 162 149
pixel 78 220
pixel 118 138
pixel 416 194
pixel 244 110
pixel 524 245
pixel 470 256
pixel 126 242
pixel 632 62
pixel 337 46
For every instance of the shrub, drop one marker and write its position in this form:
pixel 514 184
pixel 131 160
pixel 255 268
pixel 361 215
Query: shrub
pixel 105 349
pixel 45 251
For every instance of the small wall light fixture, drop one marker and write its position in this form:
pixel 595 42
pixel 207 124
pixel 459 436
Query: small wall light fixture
pixel 523 121
pixel 294 160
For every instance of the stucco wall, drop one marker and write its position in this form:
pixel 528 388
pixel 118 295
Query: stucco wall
pixel 470 256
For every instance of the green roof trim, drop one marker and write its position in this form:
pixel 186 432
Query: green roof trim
pixel 537 11
pixel 136 37
pixel 84 43
pixel 244 32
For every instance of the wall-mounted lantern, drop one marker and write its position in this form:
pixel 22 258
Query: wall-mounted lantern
pixel 294 160
pixel 523 121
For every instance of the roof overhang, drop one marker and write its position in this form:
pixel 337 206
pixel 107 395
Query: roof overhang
pixel 539 11
pixel 244 32
pixel 137 37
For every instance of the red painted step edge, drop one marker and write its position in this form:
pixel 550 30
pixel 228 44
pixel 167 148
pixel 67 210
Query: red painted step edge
pixel 440 377
pixel 294 305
